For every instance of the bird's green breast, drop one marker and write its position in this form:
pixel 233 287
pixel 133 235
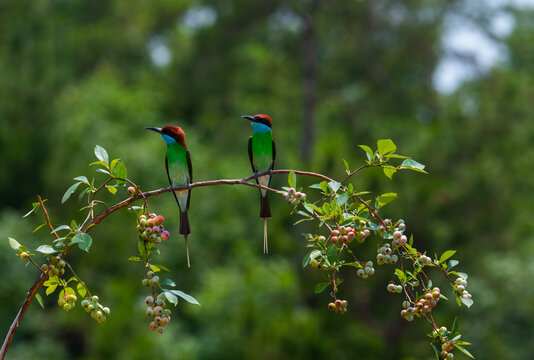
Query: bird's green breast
pixel 262 150
pixel 177 163
pixel 178 170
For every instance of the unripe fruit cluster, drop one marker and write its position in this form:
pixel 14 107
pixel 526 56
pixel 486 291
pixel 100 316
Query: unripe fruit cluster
pixel 460 288
pixel 67 302
pixel 422 306
pixel 423 260
pixel 98 312
pixel 398 238
pixel 161 316
pixel 346 234
pixel 394 288
pixel 385 255
pixel 339 306
pixel 56 267
pixel 151 228
pixel 367 270
pixel 293 197
pixel 314 263
pixel 446 344
pixel 150 279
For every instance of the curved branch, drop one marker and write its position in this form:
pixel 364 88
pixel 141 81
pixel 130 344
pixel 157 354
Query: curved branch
pixel 87 227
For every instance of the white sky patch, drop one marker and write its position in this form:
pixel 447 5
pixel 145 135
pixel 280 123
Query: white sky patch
pixel 159 51
pixel 469 52
pixel 199 17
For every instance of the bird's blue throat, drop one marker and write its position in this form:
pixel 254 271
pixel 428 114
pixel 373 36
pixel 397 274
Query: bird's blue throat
pixel 260 128
pixel 168 139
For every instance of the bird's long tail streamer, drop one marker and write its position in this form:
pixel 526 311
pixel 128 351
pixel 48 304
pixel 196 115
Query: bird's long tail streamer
pixel 187 251
pixel 265 244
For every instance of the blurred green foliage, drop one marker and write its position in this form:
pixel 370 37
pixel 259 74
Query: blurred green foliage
pixel 79 73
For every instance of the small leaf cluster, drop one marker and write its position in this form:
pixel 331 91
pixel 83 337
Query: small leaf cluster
pixel 345 214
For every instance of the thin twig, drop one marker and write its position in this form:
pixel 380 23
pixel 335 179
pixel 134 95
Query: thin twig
pixel 47 219
pixel 76 276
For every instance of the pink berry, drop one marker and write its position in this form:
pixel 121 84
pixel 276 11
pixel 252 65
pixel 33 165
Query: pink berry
pixel 165 235
pixel 159 220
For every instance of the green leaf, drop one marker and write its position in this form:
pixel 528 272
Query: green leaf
pixel 111 189
pixel 120 170
pixel 168 282
pixel 342 199
pixel 331 253
pixel 292 179
pixel 103 171
pixel 413 165
pixel 334 185
pixel 185 296
pixel 135 258
pixel 35 207
pixel 386 146
pixel 103 163
pixel 454 325
pixel 83 240
pixel 320 287
pixel 315 186
pixel 101 154
pixel 466 302
pixel 308 257
pixel 357 265
pixel 447 254
pixel 368 151
pixel 39 299
pixel 462 275
pixel 61 227
pixel 51 289
pixel 324 186
pixel 400 274
pixel 161 267
pixel 15 244
pixel 452 263
pixel 346 166
pixel 38 227
pixel 462 349
pixel 311 208
pixel 46 249
pixel 389 171
pixel 83 179
pixel 70 191
pixel 53 280
pixel 81 289
pixel 173 299
pixel 387 198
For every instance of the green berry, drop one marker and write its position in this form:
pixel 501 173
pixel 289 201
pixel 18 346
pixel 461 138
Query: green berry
pixel 158 310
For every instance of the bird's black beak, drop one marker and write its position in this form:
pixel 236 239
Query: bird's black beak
pixel 248 117
pixel 158 130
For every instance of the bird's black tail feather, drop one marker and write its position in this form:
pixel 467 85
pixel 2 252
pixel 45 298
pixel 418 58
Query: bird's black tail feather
pixel 185 228
pixel 265 209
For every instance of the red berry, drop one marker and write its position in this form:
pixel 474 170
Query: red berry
pixel 159 220
pixel 331 306
pixel 131 191
pixel 153 326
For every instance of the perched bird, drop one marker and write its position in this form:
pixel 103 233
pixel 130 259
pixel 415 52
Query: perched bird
pixel 180 173
pixel 262 153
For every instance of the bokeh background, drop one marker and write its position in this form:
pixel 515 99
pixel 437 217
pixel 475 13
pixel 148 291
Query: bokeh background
pixel 451 82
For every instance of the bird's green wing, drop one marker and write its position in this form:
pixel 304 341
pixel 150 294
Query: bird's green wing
pixel 272 163
pixel 190 167
pixel 170 181
pixel 250 154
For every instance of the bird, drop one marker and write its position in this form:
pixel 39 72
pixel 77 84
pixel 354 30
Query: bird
pixel 262 154
pixel 179 172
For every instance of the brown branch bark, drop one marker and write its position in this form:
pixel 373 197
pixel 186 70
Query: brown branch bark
pixel 98 218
